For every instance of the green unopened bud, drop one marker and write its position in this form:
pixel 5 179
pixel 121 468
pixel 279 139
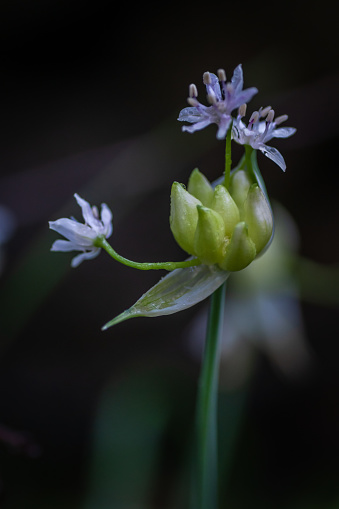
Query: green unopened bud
pixel 224 204
pixel 240 184
pixel 240 251
pixel 184 217
pixel 258 217
pixel 209 240
pixel 199 186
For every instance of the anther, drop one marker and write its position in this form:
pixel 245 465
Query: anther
pixel 270 116
pixel 264 111
pixel 229 88
pixel 207 78
pixel 95 212
pixel 221 74
pixel 242 110
pixel 192 90
pixel 281 119
pixel 211 98
pixel 254 118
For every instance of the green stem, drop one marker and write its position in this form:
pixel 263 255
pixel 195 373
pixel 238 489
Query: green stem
pixel 102 242
pixel 206 470
pixel 228 159
pixel 257 173
pixel 248 159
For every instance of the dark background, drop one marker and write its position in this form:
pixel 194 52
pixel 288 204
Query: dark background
pixel 89 96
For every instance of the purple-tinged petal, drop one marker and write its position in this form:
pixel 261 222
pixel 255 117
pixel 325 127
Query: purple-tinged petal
pixel 242 97
pixel 274 154
pixel 283 132
pixel 213 88
pixel 196 127
pixel 223 127
pixel 237 79
pixel 190 114
pixel 88 255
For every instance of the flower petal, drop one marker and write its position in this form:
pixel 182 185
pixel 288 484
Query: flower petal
pixel 196 127
pixel 87 213
pixel 242 97
pixel 223 127
pixel 88 255
pixel 64 245
pixel 274 154
pixel 283 132
pixel 237 78
pixel 190 114
pixel 106 218
pixel 75 232
pixel 213 88
pixel 177 291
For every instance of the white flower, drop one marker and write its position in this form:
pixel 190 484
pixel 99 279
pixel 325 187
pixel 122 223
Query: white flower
pixel 258 132
pixel 81 237
pixel 223 99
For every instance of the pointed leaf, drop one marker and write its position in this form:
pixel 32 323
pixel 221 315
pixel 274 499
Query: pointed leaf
pixel 175 292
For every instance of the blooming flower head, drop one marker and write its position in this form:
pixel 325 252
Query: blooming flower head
pixel 259 131
pixel 82 237
pixel 223 98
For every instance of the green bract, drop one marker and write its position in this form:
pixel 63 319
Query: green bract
pixel 227 228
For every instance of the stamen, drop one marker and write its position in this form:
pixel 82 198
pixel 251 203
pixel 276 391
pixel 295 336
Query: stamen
pixel 264 111
pixel 192 101
pixel 270 116
pixel 254 118
pixel 242 110
pixel 192 90
pixel 221 74
pixel 95 212
pixel 207 78
pixel 281 119
pixel 229 88
pixel 211 98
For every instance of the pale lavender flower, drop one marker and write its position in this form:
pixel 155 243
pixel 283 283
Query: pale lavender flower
pixel 223 98
pixel 81 237
pixel 259 131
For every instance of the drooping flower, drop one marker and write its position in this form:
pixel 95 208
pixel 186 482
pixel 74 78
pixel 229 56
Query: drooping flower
pixel 223 98
pixel 259 131
pixel 81 237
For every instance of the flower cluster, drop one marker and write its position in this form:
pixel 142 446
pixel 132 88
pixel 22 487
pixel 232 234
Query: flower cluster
pixel 219 226
pixel 224 98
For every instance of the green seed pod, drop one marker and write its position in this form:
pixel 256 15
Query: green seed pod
pixel 209 240
pixel 224 204
pixel 183 217
pixel 199 186
pixel 258 217
pixel 240 184
pixel 240 251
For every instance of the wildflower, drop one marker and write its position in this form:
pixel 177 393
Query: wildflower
pixel 259 131
pixel 82 237
pixel 223 98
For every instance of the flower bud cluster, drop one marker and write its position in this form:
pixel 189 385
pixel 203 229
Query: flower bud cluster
pixel 219 226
